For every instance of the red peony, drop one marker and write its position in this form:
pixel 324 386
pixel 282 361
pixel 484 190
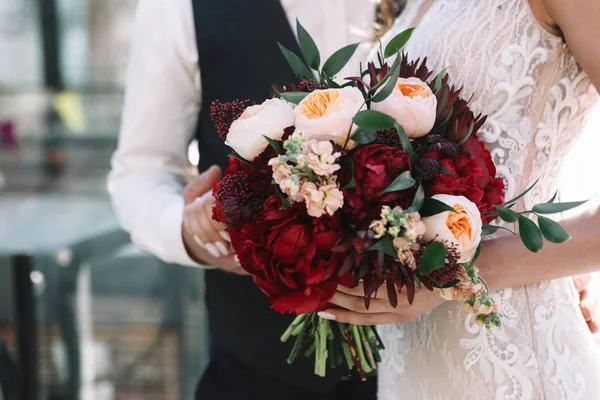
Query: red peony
pixel 474 176
pixel 375 168
pixel 289 255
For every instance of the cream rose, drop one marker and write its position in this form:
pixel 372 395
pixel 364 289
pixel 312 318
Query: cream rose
pixel 327 114
pixel 462 228
pixel 413 105
pixel 269 119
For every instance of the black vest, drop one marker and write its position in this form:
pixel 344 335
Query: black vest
pixel 240 59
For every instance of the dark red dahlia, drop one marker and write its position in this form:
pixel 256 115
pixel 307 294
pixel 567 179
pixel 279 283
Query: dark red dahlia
pixel 288 253
pixel 375 168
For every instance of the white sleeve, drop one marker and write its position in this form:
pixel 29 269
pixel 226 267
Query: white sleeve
pixel 162 102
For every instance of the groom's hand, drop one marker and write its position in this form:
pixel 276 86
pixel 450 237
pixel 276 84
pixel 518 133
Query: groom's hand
pixel 206 240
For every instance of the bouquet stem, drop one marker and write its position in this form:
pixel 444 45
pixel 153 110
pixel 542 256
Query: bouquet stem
pixel 355 346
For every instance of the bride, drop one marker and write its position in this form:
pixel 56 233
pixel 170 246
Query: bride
pixel 531 65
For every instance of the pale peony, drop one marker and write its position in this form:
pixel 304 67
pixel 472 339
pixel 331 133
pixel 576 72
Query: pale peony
pixel 327 114
pixel 320 200
pixel 269 119
pixel 413 105
pixel 463 229
pixel 320 156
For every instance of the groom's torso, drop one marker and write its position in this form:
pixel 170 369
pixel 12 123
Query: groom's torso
pixel 240 59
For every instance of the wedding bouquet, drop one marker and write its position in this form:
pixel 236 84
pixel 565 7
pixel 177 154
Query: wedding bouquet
pixel 380 181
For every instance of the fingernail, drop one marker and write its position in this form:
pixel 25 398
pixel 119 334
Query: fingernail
pixel 221 248
pixel 225 236
pixel 326 315
pixel 212 250
pixel 199 242
pixel 236 260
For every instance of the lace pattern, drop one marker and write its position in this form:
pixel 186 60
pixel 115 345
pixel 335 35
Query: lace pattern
pixel 537 98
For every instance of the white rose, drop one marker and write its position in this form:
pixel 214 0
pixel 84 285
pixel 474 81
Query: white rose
pixel 463 228
pixel 327 114
pixel 269 119
pixel 413 105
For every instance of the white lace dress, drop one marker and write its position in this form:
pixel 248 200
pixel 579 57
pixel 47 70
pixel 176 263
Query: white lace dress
pixel 537 98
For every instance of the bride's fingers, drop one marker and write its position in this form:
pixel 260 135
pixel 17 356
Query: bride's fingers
pixel 354 318
pixel 588 305
pixel 356 303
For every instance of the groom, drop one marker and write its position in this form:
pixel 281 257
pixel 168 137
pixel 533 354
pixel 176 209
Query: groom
pixel 185 55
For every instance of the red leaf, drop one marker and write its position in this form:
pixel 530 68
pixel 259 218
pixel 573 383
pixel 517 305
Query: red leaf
pixel 392 295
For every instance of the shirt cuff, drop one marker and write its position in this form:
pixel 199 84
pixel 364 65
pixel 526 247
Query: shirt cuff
pixel 172 239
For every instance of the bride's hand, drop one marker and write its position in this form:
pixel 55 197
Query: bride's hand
pixel 352 307
pixel 588 303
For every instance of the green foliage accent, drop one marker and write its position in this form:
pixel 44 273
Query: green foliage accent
pixel 339 59
pixel 434 257
pixel 308 47
pixel 273 144
pixel 530 234
pixel 347 163
pixel 386 246
pixel 402 182
pixel 406 144
pixel 364 136
pixel 508 215
pixel 389 87
pixel 491 229
pixel 433 206
pixel 552 230
pixel 554 208
pixel 296 63
pixel 397 42
pixel 373 120
pixel 293 97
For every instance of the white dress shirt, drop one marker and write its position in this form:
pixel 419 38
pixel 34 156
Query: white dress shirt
pixel 162 104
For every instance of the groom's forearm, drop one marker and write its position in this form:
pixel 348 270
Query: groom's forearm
pixel 507 263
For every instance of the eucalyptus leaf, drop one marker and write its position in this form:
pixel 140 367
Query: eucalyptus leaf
pixel 553 197
pixel 397 42
pixel 418 200
pixel 238 157
pixel 373 120
pixel 553 208
pixel 433 206
pixel 386 246
pixel 339 59
pixel 552 230
pixel 402 182
pixel 389 87
pixel 446 171
pixel 293 97
pixel 309 49
pixel 530 234
pixel 347 163
pixel 296 63
pixel 364 136
pixel 507 215
pixel 406 144
pixel 510 203
pixel 434 257
pixel 491 229
pixel 273 144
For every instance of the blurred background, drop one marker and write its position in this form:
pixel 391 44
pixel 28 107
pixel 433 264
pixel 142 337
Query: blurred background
pixel 83 314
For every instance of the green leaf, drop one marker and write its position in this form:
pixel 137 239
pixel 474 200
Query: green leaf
pixel 552 230
pixel 477 254
pixel 402 182
pixel 530 234
pixel 553 208
pixel 331 83
pixel 273 144
pixel 364 136
pixel 433 206
pixel 294 97
pixel 437 82
pixel 296 63
pixel 434 257
pixel 339 59
pixel 386 246
pixel 238 157
pixel 510 203
pixel 397 42
pixel 553 197
pixel 418 200
pixel 373 120
pixel 507 214
pixel 309 49
pixel 347 163
pixel 389 87
pixel 446 171
pixel 406 143
pixel 491 229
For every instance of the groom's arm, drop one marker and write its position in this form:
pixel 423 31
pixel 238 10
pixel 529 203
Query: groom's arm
pixel 162 102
